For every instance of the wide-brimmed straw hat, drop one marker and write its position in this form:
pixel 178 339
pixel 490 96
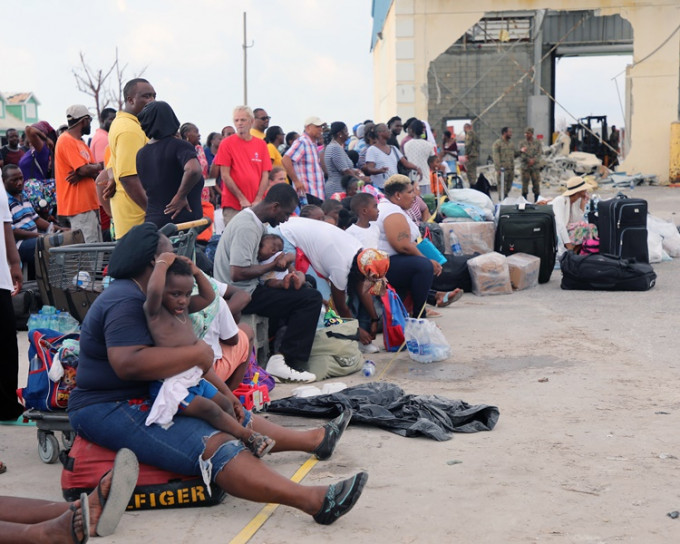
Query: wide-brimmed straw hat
pixel 576 185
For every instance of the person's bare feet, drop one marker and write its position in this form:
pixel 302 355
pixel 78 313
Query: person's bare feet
pixel 297 280
pixel 286 281
pixel 444 299
pixel 95 505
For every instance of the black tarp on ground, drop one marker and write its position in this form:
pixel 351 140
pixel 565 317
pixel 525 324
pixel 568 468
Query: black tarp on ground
pixel 386 406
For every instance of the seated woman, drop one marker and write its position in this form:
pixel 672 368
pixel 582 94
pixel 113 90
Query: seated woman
pixel 569 209
pixel 111 401
pixel 410 272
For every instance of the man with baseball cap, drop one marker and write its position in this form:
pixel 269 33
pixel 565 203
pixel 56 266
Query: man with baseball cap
pixel 301 161
pixel 530 162
pixel 75 170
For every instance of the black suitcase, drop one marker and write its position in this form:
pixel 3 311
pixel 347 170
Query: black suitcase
pixel 42 259
pixel 455 274
pixel 528 229
pixel 26 302
pixel 600 272
pixel 622 227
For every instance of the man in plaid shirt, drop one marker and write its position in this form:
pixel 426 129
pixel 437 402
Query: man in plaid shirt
pixel 301 161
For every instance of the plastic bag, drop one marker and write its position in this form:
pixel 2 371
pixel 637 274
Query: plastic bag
pixel 425 341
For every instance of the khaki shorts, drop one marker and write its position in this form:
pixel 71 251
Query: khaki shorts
pixel 232 357
pixel 88 222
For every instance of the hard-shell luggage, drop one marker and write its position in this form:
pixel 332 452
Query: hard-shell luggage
pixel 622 227
pixel 42 259
pixel 528 229
pixel 600 272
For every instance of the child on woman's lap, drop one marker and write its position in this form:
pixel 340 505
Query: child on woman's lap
pixel 168 305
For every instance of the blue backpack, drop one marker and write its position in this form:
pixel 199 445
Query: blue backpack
pixel 41 392
pixel 394 319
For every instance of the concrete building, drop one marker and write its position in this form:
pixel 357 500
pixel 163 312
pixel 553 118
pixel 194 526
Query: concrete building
pixel 440 59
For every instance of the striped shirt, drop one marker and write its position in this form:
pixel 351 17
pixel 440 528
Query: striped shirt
pixel 23 214
pixel 306 165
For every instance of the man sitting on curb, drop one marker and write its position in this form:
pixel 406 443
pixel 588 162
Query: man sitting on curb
pixel 236 263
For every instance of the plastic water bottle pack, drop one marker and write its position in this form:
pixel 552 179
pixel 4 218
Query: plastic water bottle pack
pixel 425 341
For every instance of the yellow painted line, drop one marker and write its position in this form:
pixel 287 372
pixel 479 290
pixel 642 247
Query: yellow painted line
pixel 268 509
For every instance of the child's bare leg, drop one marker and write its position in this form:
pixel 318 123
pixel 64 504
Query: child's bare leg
pixel 218 412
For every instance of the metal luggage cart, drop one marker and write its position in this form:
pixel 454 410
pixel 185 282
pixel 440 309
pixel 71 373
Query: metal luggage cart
pixel 48 423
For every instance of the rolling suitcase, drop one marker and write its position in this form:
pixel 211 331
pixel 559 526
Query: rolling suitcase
pixel 526 228
pixel 599 272
pixel 26 302
pixel 622 227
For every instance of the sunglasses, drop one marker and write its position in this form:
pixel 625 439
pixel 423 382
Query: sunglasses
pixel 263 118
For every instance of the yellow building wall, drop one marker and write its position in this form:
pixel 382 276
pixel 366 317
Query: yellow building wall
pixel 417 31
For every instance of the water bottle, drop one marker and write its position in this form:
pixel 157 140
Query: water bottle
pixel 63 322
pixel 368 369
pixel 54 322
pixel 32 322
pixel 455 244
pixel 41 322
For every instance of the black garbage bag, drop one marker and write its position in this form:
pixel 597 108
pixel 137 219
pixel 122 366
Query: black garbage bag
pixel 386 406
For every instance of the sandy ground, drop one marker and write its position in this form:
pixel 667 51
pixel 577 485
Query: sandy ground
pixel 586 449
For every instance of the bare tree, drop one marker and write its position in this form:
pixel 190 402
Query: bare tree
pixel 93 82
pixel 115 94
pixel 99 85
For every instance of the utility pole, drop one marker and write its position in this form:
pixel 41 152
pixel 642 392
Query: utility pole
pixel 246 46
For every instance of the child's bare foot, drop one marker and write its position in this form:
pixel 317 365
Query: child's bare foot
pixel 286 281
pixel 298 280
pixel 259 444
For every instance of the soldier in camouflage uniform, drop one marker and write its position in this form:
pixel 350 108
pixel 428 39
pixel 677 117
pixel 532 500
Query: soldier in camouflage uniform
pixel 471 152
pixel 503 153
pixel 530 162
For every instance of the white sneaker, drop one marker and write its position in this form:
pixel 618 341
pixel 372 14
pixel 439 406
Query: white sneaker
pixel 277 367
pixel 368 348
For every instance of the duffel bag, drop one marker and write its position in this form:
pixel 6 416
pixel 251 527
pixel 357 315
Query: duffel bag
pixel 335 351
pixel 601 272
pixel 455 274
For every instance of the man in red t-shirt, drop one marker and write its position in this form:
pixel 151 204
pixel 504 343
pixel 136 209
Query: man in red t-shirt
pixel 244 166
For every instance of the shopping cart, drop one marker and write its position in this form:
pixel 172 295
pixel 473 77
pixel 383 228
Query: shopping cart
pixel 76 276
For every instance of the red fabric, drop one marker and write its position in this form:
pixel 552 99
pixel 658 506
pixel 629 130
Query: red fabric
pixel 91 462
pixel 247 161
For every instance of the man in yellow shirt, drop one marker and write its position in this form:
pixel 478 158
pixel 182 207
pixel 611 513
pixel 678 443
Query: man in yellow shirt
pixel 126 137
pixel 260 123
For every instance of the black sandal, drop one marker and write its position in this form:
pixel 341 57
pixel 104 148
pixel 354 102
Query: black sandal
pixel 256 440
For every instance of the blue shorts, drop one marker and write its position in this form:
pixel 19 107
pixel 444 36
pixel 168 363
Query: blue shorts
pixel 203 389
pixel 122 424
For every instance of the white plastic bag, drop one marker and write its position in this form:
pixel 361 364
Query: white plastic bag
pixel 425 341
pixel 668 232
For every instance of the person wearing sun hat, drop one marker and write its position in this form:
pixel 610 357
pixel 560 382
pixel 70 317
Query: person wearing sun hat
pixel 569 209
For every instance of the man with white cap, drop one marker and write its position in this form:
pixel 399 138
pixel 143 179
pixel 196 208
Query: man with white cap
pixel 75 171
pixel 301 161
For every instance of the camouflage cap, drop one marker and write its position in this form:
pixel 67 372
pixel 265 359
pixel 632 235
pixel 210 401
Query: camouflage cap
pixel 529 129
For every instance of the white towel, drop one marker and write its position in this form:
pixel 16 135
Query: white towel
pixel 172 392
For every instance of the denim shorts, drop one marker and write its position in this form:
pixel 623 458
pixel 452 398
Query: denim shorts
pixel 116 425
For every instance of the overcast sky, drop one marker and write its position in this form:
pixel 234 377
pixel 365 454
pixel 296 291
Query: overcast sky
pixel 309 57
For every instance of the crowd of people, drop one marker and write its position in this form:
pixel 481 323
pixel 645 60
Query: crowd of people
pixel 302 222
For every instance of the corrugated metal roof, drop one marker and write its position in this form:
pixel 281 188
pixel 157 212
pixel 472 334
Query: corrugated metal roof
pixel 593 30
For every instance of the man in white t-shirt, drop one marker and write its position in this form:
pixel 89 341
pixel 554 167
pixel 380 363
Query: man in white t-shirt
pixel 418 150
pixel 10 285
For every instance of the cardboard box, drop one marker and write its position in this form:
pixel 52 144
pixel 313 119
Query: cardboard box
pixel 523 270
pixel 473 236
pixel 490 274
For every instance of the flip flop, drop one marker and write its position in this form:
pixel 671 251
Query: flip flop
pixel 85 508
pixel 450 298
pixel 123 481
pixel 432 314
